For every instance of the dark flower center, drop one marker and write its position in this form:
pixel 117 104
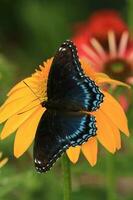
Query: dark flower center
pixel 118 69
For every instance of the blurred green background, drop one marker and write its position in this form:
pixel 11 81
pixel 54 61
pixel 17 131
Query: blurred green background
pixel 30 32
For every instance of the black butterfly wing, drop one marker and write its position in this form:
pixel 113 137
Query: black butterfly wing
pixel 68 88
pixel 57 131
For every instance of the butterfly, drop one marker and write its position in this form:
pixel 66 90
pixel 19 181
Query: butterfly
pixel 66 121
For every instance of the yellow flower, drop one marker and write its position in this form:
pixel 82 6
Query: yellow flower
pixel 3 161
pixel 22 111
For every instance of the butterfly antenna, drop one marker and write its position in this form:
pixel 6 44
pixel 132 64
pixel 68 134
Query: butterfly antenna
pixel 32 91
pixel 28 109
pixel 41 102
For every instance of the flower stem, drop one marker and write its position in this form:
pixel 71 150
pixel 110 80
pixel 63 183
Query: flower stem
pixel 110 178
pixel 67 177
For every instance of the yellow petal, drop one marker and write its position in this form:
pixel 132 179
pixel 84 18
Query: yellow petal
pixel 14 122
pixel 34 104
pixel 115 132
pixel 13 107
pixel 104 132
pixel 90 150
pixel 3 162
pixel 115 112
pixel 23 92
pixel 101 80
pixel 117 136
pixel 89 71
pixel 73 153
pixel 26 133
pixel 20 85
pixel 101 75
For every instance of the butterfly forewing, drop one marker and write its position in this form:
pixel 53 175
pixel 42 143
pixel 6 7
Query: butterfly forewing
pixel 68 87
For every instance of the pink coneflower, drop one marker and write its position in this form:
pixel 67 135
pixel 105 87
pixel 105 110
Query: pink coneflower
pixel 105 42
pixel 116 61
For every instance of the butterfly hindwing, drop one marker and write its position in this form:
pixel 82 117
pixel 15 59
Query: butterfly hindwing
pixel 68 87
pixel 57 131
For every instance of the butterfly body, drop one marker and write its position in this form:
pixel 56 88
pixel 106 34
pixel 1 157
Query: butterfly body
pixel 66 121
